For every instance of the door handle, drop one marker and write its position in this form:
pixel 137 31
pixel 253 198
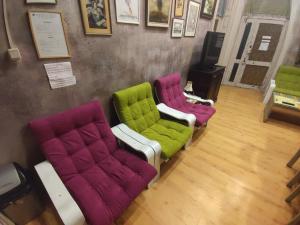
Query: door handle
pixel 244 61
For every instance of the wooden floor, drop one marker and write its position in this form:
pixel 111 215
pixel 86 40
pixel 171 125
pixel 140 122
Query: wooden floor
pixel 234 173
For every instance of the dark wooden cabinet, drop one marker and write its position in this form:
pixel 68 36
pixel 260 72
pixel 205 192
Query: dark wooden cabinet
pixel 206 82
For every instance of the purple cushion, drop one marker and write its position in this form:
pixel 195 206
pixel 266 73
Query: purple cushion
pixel 102 178
pixel 169 91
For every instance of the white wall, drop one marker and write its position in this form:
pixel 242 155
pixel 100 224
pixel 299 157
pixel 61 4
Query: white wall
pixel 291 43
pixel 230 25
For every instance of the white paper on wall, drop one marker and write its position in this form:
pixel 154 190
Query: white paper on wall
pixel 267 37
pixel 265 43
pixel 60 74
pixel 264 46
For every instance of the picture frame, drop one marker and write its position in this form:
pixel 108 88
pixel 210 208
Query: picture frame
pixel 158 13
pixel 192 18
pixel 179 8
pixel 177 28
pixel 208 9
pixel 49 34
pixel 41 2
pixel 96 17
pixel 128 11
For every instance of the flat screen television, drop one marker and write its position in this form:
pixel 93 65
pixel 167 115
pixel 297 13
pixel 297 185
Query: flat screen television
pixel 211 49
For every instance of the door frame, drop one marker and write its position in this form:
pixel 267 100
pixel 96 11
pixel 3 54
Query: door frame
pixel 252 35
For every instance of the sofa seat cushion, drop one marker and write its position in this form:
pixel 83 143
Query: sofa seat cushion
pixel 171 136
pixel 102 178
pixel 107 188
pixel 288 92
pixel 202 112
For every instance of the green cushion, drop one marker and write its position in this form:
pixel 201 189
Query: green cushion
pixel 170 135
pixel 137 109
pixel 288 80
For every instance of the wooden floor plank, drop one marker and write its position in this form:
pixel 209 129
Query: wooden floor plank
pixel 234 173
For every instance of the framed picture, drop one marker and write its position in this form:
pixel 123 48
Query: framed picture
pixel 192 19
pixel 179 7
pixel 96 17
pixel 128 11
pixel 158 13
pixel 208 8
pixel 41 1
pixel 48 34
pixel 177 28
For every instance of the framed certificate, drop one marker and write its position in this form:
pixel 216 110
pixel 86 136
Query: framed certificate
pixel 48 34
pixel 41 1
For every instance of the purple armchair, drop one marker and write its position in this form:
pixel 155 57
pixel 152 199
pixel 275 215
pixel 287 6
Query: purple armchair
pixel 169 92
pixel 102 178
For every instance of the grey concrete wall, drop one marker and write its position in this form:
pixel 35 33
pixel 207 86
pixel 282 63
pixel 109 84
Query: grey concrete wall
pixel 101 65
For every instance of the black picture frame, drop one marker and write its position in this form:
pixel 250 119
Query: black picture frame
pixel 205 14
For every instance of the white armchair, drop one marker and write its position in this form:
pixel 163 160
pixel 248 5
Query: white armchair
pixel 198 99
pixel 65 205
pixel 269 91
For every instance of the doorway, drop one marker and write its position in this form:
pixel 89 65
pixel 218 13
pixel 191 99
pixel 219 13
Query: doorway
pixel 255 52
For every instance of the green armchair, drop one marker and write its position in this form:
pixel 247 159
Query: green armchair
pixel 284 92
pixel 288 81
pixel 136 108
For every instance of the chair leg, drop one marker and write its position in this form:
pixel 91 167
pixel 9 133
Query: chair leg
pixel 295 220
pixel 189 142
pixel 294 180
pixel 293 195
pixel 294 159
pixel 268 109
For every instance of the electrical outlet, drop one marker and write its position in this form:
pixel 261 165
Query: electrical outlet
pixel 14 54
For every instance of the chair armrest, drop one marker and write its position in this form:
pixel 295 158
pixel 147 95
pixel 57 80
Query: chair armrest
pixel 189 118
pixel 269 92
pixel 65 205
pixel 4 220
pixel 194 97
pixel 151 149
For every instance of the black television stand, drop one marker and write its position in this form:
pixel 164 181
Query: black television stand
pixel 206 80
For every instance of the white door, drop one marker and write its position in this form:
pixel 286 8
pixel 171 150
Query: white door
pixel 256 50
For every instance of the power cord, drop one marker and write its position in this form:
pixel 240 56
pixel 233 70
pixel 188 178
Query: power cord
pixel 13 52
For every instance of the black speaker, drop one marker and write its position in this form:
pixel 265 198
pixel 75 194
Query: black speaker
pixel 211 49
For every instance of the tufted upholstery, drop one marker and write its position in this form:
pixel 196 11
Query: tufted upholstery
pixel 137 109
pixel 169 91
pixel 288 80
pixel 171 135
pixel 102 178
